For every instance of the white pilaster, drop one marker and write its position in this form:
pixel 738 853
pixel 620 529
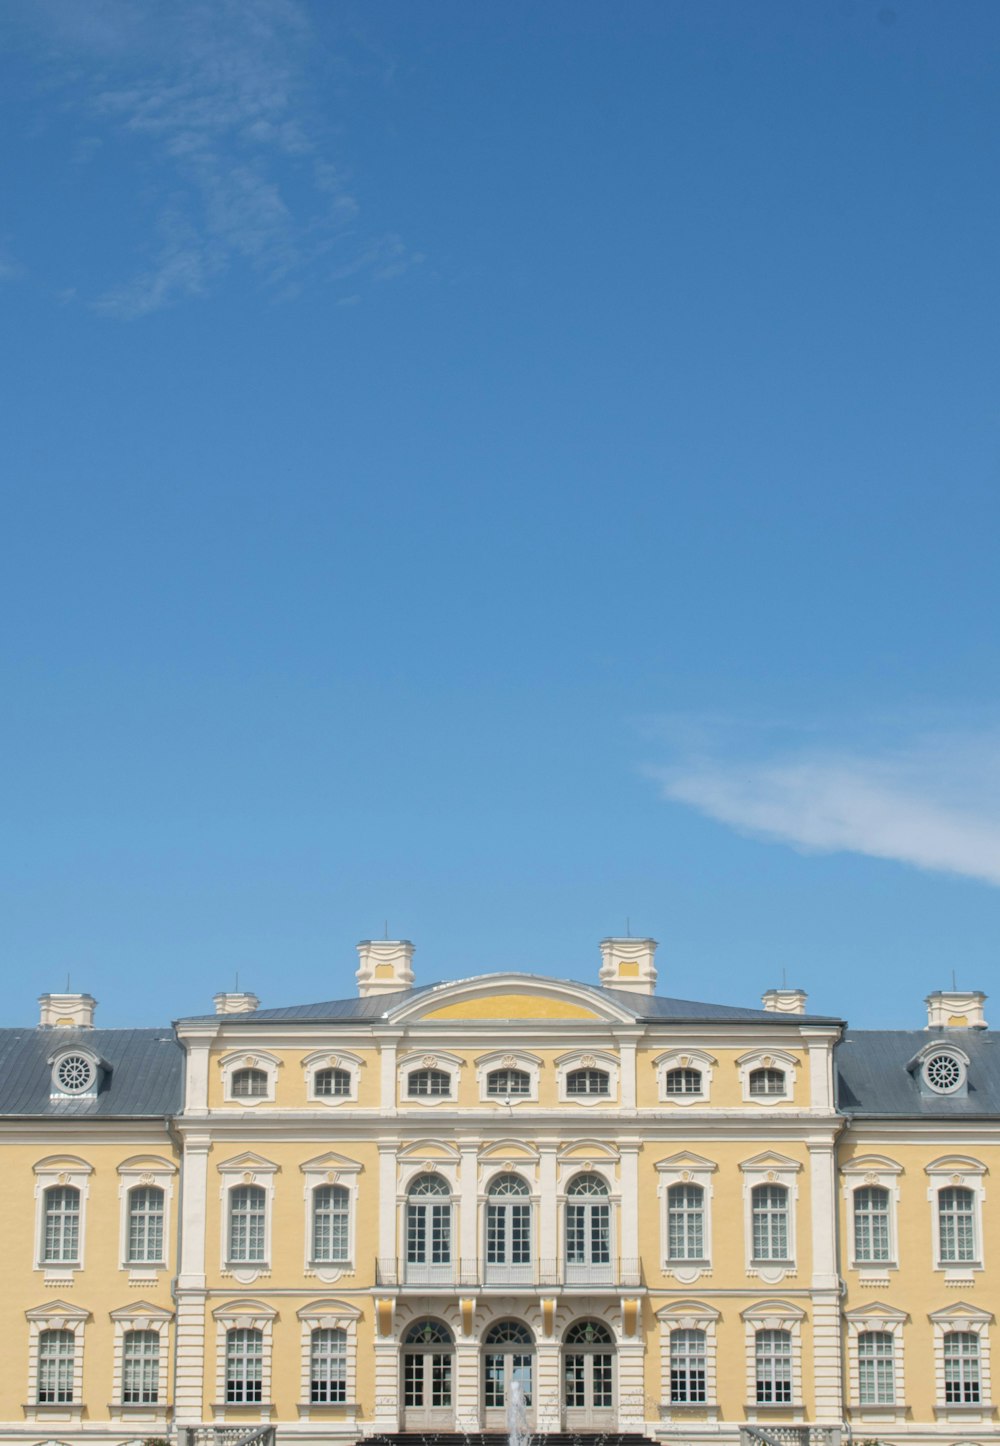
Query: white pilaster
pixel 387 1199
pixel 192 1370
pixel 386 1384
pixel 467 1385
pixel 821 1073
pixel 626 1052
pixel 548 1387
pixel 548 1223
pixel 630 1201
pixel 826 1328
pixel 387 1055
pixel 631 1386
pixel 468 1203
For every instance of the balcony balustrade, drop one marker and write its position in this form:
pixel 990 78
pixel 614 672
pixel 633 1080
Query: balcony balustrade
pixel 614 1275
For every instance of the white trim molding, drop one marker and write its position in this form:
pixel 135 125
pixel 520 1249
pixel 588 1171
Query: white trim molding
pixel 689 1315
pixel 962 1172
pixel 971 1319
pixel 328 1314
pixel 889 1320
pixel 320 1059
pixel 770 1168
pixel 500 1059
pixel 330 1169
pixel 672 1059
pixel 243 1315
pixel 239 1059
pixel 859 1173
pixel 773 1315
pixel 576 1059
pixel 56 1315
pixel 51 1172
pixel 135 1173
pixel 682 1169
pixel 768 1059
pixel 245 1169
pixel 141 1316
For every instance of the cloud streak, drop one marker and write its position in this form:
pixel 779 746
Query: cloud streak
pixel 933 803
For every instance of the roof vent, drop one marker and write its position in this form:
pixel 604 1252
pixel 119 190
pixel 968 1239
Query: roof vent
pixel 628 964
pixel 784 1001
pixel 386 966
pixel 956 1009
pixel 236 1003
pixel 67 1011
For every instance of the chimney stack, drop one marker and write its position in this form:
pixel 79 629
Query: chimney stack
pixel 784 1001
pixel 956 1009
pixel 236 1003
pixel 67 1011
pixel 386 966
pixel 628 964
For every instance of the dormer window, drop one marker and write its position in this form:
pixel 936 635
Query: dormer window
pixel 75 1074
pixel 944 1073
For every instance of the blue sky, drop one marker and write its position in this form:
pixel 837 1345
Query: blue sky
pixel 499 471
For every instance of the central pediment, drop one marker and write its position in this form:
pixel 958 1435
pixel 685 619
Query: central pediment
pixel 494 998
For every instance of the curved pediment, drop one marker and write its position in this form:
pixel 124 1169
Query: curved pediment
pixel 495 998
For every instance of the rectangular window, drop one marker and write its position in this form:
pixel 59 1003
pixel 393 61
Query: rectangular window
pixel 687 1367
pixel 773 1357
pixel 56 1360
pixel 957 1224
pixel 330 1224
pixel 961 1369
pixel 247 1205
pixel 61 1232
pixel 141 1368
pixel 328 1367
pixel 871 1224
pixel 685 1222
pixel 145 1225
pixel 244 1367
pixel 876 1369
pixel 770 1222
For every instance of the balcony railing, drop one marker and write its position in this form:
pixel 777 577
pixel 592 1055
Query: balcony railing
pixel 771 1435
pixel 621 1274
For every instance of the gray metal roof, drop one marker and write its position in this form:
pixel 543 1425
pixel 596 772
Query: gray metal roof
pixel 144 1074
pixel 873 1079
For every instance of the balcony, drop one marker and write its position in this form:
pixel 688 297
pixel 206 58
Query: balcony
pixel 614 1275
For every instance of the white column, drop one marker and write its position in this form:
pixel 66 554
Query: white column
pixel 626 1054
pixel 386 1385
pixel 387 1237
pixel 192 1364
pixel 548 1387
pixel 548 1222
pixel 467 1385
pixel 631 1386
pixel 387 1055
pixel 629 1202
pixel 468 1178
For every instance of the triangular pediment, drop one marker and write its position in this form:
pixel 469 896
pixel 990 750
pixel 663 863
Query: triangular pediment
pixel 686 1160
pixel 959 1311
pixel 875 1310
pixel 770 1160
pixel 55 1310
pixel 249 1161
pixel 141 1310
pixel 330 1161
pixel 498 998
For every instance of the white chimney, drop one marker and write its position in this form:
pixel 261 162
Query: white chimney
pixel 956 1009
pixel 235 1003
pixel 784 1001
pixel 628 964
pixel 67 1011
pixel 386 966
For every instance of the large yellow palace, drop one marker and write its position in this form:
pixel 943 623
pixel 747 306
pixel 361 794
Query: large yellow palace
pixel 692 1222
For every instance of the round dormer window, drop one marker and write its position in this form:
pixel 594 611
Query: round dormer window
pixel 944 1073
pixel 75 1074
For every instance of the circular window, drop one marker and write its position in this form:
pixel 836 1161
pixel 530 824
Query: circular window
pixel 75 1073
pixel 944 1073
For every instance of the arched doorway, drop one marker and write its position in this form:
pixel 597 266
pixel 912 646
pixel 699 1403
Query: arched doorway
pixel 589 1376
pixel 508 1356
pixel 508 1232
pixel 428 1377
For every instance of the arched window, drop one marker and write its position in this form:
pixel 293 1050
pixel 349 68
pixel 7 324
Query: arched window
pixel 428 1084
pixel 961 1369
pixel 588 1373
pixel 683 1082
pixel 247 1217
pixel 685 1222
pixel 592 1082
pixel 428 1373
pixel 329 1082
pixel 688 1355
pixel 767 1082
pixel 145 1225
pixel 141 1368
pixel 428 1231
pixel 957 1224
pixel 61 1224
pixel 769 1204
pixel 773 1361
pixel 508 1356
pixel 871 1224
pixel 249 1084
pixel 508 1230
pixel 331 1225
pixel 244 1366
pixel 328 1366
pixel 56 1363
pixel 876 1369
pixel 503 1082
pixel 588 1229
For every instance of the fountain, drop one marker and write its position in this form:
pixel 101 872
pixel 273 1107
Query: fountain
pixel 518 1432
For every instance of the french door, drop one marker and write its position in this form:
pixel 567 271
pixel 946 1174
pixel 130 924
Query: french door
pixel 428 1377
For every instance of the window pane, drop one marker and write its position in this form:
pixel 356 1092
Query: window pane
pixel 876 1374
pixel 141 1368
pixel 328 1366
pixel 56 1356
pixel 244 1366
pixel 246 1223
pixel 330 1223
pixel 687 1366
pixel 145 1225
pixel 62 1224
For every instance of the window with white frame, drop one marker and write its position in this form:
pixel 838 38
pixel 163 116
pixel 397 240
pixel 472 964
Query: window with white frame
pixel 770 1191
pixel 769 1210
pixel 244 1345
pixel 249 1079
pixel 56 1367
pixel 247 1222
pixel 957 1225
pixel 61 1225
pixel 503 1083
pixel 141 1368
pixel 76 1074
pixel 329 1355
pixel 331 1225
pixel 686 1190
pixel 767 1077
pixel 688 1357
pixel 962 1380
pixel 244 1366
pixel 55 1358
pixel 688 1353
pixel 141 1358
pixel 328 1366
pixel 773 1362
pixel 875 1358
pixel 876 1369
pixel 246 1216
pixel 956 1194
pixel 146 1209
pixel 427 1083
pixel 62 1184
pixel 332 1079
pixel 870 1187
pixel 872 1235
pixel 962 1359
pixel 685 1076
pixel 508 1077
pixel 249 1084
pixel 332 1082
pixel 588 1228
pixel 767 1082
pixel 774 1354
pixel 588 1082
pixel 427 1080
pixel 428 1229
pixel 685 1222
pixel 588 1078
pixel 330 1192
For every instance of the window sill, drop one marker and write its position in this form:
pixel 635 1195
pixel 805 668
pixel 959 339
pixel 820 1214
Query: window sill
pixel 159 1410
pixel 692 1264
pixel 62 1411
pixel 328 1410
pixel 981 1408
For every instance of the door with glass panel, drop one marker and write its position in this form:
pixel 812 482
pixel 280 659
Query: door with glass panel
pixel 589 1377
pixel 508 1357
pixel 428 1377
pixel 508 1232
pixel 428 1232
pixel 588 1231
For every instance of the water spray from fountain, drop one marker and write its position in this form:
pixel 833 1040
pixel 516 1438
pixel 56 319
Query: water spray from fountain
pixel 518 1431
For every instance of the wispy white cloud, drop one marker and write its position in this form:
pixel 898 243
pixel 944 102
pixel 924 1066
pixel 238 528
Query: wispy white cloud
pixel 218 106
pixel 932 802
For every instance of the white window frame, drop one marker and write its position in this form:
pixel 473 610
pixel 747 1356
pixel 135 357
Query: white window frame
pixel 567 1064
pixel 56 1170
pixel 260 1059
pixel 330 1169
pixel 136 1173
pixel 685 1169
pixel 861 1173
pixel 322 1059
pixel 328 1314
pixel 918 1066
pixel 962 1172
pixel 691 1315
pixel 443 1060
pixel 890 1320
pixel 57 1315
pixel 520 1059
pixel 773 1315
pixel 141 1316
pixel 768 1059
pixel 244 1315
pixel 98 1065
pixel 672 1059
pixel 771 1169
pixel 962 1317
pixel 246 1169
